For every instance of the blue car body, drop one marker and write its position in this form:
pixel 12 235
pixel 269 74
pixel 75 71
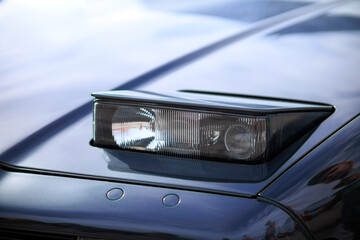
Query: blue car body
pixel 55 184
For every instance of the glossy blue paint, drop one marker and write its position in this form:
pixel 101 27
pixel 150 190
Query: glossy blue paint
pixel 252 67
pixel 323 189
pixel 68 118
pixel 52 62
pixel 79 207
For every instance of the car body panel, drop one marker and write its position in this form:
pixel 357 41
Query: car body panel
pixel 74 48
pixel 53 180
pixel 80 207
pixel 323 189
pixel 41 149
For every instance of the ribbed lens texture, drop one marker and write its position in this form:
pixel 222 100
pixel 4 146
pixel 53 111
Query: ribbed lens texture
pixel 134 128
pixel 177 133
pixel 189 134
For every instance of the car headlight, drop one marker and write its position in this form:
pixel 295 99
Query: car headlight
pixel 200 126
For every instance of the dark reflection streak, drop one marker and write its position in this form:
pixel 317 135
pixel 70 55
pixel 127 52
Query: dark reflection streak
pixel 32 141
pixel 246 11
pixel 70 230
pixel 28 144
pixel 322 24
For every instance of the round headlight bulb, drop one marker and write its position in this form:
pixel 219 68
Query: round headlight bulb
pixel 238 141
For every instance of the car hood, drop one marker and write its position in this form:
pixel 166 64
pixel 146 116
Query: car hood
pixel 48 76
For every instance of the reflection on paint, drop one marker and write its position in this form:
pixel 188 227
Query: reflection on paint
pixel 324 188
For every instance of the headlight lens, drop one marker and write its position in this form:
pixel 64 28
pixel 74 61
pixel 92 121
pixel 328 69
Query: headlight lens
pixel 202 126
pixel 183 133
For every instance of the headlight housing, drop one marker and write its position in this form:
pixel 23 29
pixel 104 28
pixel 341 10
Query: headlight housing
pixel 201 126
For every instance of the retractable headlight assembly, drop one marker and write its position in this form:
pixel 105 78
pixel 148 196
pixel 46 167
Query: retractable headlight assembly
pixel 201 125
